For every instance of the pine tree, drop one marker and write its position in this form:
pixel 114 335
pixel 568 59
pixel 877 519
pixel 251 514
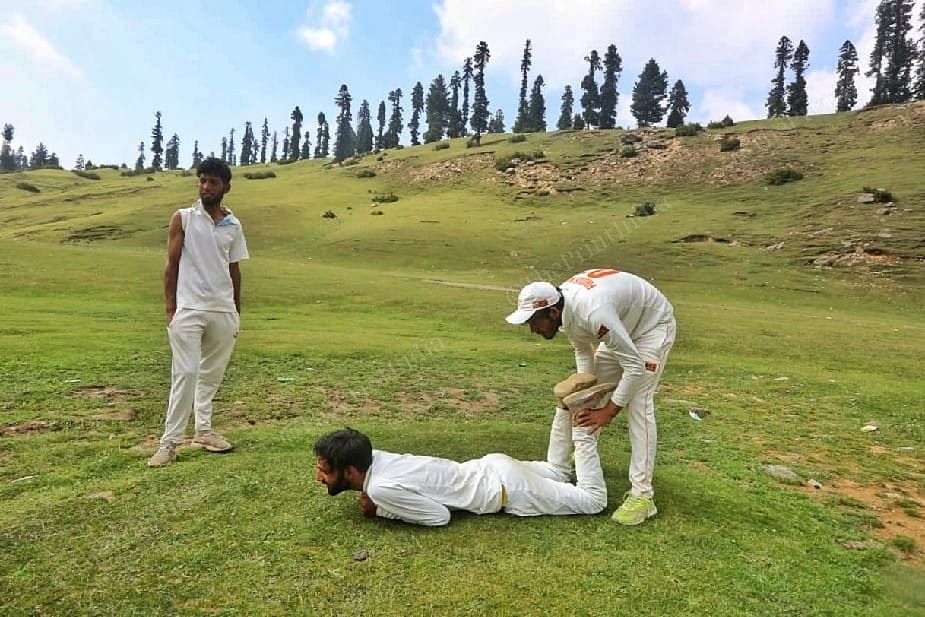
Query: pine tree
pixel 264 137
pixel 172 153
pixel 273 157
pixel 591 99
pixel 53 161
pixel 678 105
pixel 565 112
pixel 846 93
pixel 139 162
pixel 467 76
pixel 247 144
pixel 79 164
pixel 648 94
pixel 613 66
pixel 296 117
pixel 480 113
pixel 496 124
pixel 306 147
pixel 225 149
pixel 393 132
pixel 521 123
pixel 454 123
pixel 380 117
pixel 797 101
pixel 231 157
pixel 157 143
pixel 536 113
pixel 22 161
pixel 285 155
pixel 364 129
pixel 437 110
pixel 578 122
pixel 776 103
pixel 344 142
pixel 197 155
pixel 417 108
pixel 918 88
pixel 7 158
pixel 893 53
pixel 322 143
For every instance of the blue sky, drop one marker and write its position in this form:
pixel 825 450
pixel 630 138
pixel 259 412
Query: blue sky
pixel 86 76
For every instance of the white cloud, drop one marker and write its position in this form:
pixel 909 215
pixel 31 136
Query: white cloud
pixel 16 29
pixel 329 28
pixel 715 103
pixel 820 91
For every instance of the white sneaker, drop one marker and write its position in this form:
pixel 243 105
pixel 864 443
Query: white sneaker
pixel 212 441
pixel 165 455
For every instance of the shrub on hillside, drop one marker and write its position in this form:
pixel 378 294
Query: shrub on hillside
pixel 385 198
pixel 880 195
pixel 628 151
pixel 728 144
pixel 644 209
pixel 28 187
pixel 259 175
pixel 328 214
pixel 366 173
pixel 376 212
pixel 442 145
pixel 89 175
pixel 725 122
pixel 286 161
pixel 472 142
pixel 688 130
pixel 517 138
pixel 782 176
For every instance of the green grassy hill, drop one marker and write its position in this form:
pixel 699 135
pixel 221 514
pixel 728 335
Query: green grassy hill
pixel 800 321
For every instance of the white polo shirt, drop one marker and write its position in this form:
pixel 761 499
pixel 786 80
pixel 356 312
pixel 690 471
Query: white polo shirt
pixel 204 282
pixel 423 489
pixel 614 308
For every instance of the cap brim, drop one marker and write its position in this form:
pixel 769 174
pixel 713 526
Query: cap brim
pixel 519 316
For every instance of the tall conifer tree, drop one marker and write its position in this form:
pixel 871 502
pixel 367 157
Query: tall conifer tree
pixel 591 99
pixel 380 117
pixel 7 157
pixel 467 76
pixel 613 66
pixel 197 155
pixel 648 94
pixel 437 110
pixel 273 155
pixel 893 53
pixel 454 127
pixel 324 135
pixel 139 162
pixel 918 89
pixel 417 108
pixel 296 116
pixel 678 105
pixel 565 112
pixel 172 153
pixel 344 140
pixel 536 112
pixel 480 113
pixel 797 101
pixel 264 138
pixel 776 103
pixel 157 143
pixel 846 93
pixel 393 131
pixel 364 129
pixel 521 122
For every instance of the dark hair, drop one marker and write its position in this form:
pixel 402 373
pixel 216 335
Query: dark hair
pixel 544 312
pixel 214 167
pixel 344 448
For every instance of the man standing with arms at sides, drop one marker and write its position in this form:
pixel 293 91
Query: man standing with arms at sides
pixel 622 329
pixel 202 291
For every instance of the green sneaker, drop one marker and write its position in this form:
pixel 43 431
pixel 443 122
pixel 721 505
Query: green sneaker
pixel 635 510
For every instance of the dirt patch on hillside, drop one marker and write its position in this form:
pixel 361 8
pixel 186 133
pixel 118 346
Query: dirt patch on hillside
pixel 452 168
pixel 29 426
pixel 865 256
pixel 456 399
pixel 126 415
pixel 899 506
pixel 95 234
pixel 110 394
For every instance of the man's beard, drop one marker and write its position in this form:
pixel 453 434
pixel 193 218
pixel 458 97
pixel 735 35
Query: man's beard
pixel 338 487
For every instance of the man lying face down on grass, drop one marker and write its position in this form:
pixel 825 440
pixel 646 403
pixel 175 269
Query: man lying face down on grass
pixel 425 489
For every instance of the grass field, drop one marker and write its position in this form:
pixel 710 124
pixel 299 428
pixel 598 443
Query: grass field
pixel 393 323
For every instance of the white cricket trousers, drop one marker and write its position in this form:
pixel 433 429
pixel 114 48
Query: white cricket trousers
pixel 201 342
pixel 653 346
pixel 534 488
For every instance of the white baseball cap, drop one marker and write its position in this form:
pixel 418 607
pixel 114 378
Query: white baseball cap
pixel 532 298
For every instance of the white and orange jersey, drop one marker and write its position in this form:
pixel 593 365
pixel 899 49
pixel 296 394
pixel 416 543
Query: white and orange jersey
pixel 617 309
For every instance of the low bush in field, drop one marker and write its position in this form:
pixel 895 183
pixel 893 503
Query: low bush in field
pixel 724 123
pixel 443 145
pixel 259 175
pixel 728 144
pixel 517 138
pixel 628 151
pixel 782 176
pixel 880 195
pixel 366 173
pixel 385 198
pixel 28 187
pixel 644 209
pixel 503 162
pixel 688 130
pixel 89 175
